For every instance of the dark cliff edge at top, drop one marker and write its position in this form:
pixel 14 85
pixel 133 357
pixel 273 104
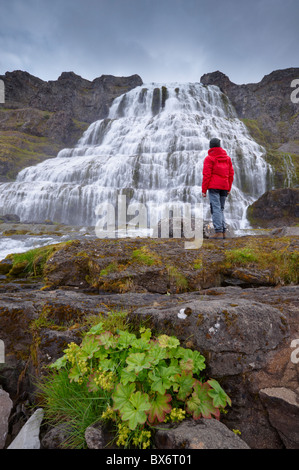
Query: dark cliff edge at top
pixel 87 101
pixel 271 117
pixel 39 118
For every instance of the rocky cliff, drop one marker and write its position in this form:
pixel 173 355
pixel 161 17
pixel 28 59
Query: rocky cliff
pixel 271 117
pixel 39 118
pixel 277 208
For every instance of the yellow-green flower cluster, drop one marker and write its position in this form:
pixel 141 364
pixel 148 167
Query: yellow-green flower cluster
pixel 142 440
pixel 83 366
pixel 108 414
pixel 123 434
pixel 104 380
pixel 177 414
pixel 71 353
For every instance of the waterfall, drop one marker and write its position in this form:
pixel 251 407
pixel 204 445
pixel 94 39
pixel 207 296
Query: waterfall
pixel 151 148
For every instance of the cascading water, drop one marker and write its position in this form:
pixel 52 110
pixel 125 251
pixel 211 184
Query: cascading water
pixel 151 148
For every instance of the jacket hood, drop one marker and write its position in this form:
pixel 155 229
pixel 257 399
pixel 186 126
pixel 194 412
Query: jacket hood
pixel 217 152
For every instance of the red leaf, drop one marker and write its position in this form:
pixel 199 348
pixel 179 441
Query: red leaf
pixel 159 407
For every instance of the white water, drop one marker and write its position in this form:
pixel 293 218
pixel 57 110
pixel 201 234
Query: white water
pixel 10 245
pixel 155 156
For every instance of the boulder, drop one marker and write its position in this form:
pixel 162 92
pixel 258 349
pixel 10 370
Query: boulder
pixel 28 437
pixel 235 335
pixel 285 232
pixel 282 405
pixel 201 434
pixel 10 218
pixel 94 438
pixel 55 437
pixel 6 405
pixel 276 208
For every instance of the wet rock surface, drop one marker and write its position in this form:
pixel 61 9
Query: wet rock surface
pixel 276 208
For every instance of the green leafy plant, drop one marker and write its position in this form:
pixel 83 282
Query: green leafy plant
pixel 145 381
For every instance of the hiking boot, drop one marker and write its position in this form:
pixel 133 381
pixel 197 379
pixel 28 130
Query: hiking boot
pixel 217 235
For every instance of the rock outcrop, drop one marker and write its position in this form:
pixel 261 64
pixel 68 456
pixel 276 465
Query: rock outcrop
pixel 39 118
pixel 28 437
pixel 282 401
pixel 204 434
pixel 277 208
pixel 84 100
pixel 270 115
pixel 5 409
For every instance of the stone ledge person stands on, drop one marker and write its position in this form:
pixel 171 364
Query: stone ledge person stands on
pixel 218 176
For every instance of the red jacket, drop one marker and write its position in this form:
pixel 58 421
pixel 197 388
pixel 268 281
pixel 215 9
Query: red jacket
pixel 218 172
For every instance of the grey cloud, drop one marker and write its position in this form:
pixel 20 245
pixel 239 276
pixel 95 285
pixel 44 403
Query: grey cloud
pixel 161 40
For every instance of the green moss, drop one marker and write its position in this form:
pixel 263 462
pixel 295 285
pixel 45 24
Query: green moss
pixel 178 278
pixel 19 150
pixel 254 129
pixel 31 263
pixel 241 256
pixel 197 264
pixel 112 267
pixel 145 256
pixel 276 158
pixel 277 256
pixel 225 102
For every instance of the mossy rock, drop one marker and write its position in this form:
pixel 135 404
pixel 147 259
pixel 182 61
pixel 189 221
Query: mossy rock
pixel 5 266
pixel 18 268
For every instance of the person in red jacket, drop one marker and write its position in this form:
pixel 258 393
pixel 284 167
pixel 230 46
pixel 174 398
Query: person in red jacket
pixel 218 176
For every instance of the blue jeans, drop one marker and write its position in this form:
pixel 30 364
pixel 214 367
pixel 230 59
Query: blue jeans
pixel 217 202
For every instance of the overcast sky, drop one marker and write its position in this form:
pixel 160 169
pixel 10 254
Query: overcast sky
pixel 161 40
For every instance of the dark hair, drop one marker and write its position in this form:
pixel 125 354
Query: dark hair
pixel 214 143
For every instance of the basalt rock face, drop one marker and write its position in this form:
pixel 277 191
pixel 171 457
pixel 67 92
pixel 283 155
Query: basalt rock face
pixel 277 208
pixel 39 118
pixel 271 115
pixel 269 100
pixel 86 101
